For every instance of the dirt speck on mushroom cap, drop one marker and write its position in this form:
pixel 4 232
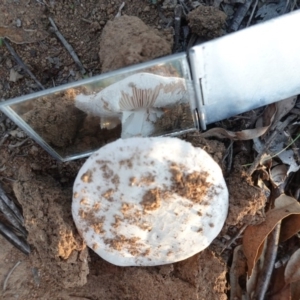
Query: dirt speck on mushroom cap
pixel 159 200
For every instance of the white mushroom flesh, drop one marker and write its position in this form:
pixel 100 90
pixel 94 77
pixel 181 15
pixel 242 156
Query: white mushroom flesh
pixel 149 201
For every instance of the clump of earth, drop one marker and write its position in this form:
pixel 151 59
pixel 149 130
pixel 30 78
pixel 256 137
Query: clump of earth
pixel 207 21
pixel 127 40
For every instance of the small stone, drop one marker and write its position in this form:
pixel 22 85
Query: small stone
pixel 8 63
pixel 33 150
pixel 18 23
pixel 14 76
pixel 17 133
pixel 147 9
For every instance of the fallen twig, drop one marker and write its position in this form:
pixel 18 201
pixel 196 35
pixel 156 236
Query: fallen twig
pixel 15 240
pixel 186 10
pixel 3 139
pixel 11 205
pixel 20 62
pixel 120 10
pixel 177 26
pixel 18 144
pixel 68 47
pixel 192 41
pixel 86 21
pixel 293 5
pixel 252 13
pixel 9 274
pixel 232 240
pixel 240 15
pixel 269 261
pixel 228 155
pixel 11 217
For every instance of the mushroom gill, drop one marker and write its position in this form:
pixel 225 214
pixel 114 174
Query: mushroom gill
pixel 141 98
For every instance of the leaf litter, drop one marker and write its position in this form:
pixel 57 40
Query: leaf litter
pixel 292 269
pixel 277 168
pixel 255 236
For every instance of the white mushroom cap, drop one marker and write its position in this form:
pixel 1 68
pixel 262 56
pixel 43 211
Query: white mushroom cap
pixel 135 98
pixel 149 201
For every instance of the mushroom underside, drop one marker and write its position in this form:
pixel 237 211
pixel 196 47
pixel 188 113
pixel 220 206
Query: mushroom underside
pixel 149 201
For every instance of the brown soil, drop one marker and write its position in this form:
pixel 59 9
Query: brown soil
pixel 207 22
pixel 133 42
pixel 65 128
pixel 60 266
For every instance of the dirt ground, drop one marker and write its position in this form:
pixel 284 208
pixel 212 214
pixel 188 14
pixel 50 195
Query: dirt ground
pixel 60 266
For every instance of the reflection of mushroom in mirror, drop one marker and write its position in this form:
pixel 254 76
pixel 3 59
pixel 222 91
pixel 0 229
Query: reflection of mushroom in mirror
pixel 136 100
pixel 149 201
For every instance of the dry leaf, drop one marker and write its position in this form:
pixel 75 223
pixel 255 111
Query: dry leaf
pixel 278 174
pixel 283 107
pixel 271 117
pixel 22 36
pixel 278 290
pixel 289 227
pixel 292 270
pixel 295 290
pixel 267 118
pixel 280 140
pixel 254 236
pixel 247 134
pixel 284 294
pixel 257 143
pixel 269 114
pixel 287 157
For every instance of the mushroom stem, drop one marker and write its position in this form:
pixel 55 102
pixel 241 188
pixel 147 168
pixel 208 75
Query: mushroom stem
pixel 139 122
